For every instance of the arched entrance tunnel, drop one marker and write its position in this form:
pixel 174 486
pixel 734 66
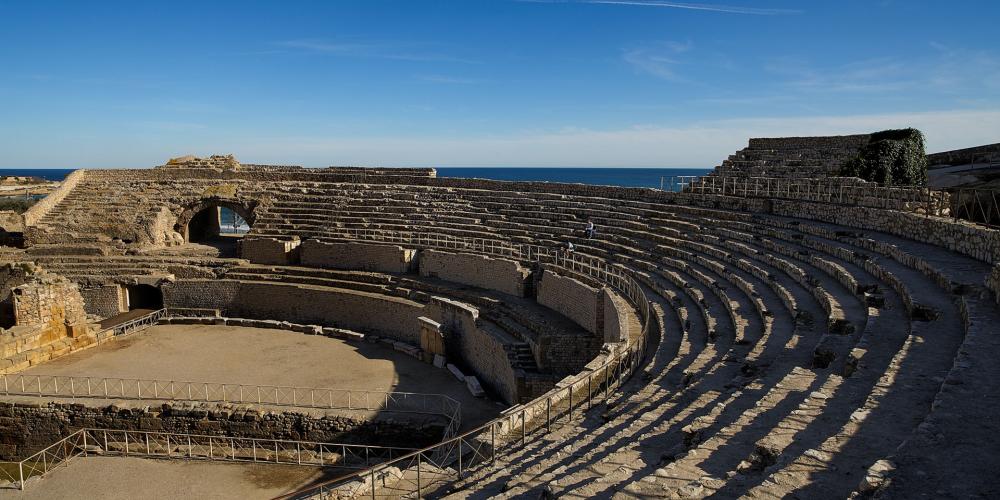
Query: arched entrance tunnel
pixel 144 297
pixel 216 223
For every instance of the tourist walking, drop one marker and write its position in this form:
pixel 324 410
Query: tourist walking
pixel 590 231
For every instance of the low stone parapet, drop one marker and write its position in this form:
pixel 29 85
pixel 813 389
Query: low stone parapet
pixel 502 275
pixel 357 256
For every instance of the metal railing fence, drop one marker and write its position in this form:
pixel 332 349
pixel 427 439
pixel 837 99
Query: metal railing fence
pixel 976 205
pixel 132 326
pixel 424 470
pixel 919 199
pixel 73 387
pixel 156 444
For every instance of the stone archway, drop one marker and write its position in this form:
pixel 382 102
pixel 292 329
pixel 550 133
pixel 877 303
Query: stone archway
pixel 201 222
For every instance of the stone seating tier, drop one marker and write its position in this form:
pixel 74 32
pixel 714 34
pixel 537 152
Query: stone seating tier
pixel 785 341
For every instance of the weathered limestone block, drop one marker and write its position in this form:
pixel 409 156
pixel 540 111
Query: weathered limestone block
pixel 616 324
pixel 431 337
pixel 270 250
pixel 472 383
pixel 571 298
pixel 993 282
pixel 357 256
pixel 502 275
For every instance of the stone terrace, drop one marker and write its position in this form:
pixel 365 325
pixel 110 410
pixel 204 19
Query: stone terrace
pixel 797 157
pixel 802 348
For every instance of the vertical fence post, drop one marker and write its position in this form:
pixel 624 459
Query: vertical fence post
pixel 548 413
pixel 522 428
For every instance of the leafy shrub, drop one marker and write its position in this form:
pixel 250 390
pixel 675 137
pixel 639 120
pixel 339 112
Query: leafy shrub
pixel 18 205
pixel 891 157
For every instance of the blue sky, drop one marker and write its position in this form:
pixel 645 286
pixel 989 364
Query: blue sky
pixel 483 82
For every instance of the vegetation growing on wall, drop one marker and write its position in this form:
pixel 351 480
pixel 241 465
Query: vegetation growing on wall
pixel 18 204
pixel 891 157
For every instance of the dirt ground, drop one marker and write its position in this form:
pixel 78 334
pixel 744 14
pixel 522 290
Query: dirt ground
pixel 225 354
pixel 117 478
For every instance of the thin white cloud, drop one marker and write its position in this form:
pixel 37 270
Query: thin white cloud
pixel 942 69
pixel 451 80
pixel 416 52
pixel 702 144
pixel 660 59
pixel 728 9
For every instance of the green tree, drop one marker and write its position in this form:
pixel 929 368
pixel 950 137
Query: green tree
pixel 891 157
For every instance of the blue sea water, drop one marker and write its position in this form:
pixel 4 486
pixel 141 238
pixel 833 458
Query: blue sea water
pixel 619 176
pixel 51 174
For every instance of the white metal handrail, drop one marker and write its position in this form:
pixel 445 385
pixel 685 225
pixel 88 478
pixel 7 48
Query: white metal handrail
pixel 73 387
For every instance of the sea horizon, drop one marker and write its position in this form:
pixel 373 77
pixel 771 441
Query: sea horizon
pixel 649 177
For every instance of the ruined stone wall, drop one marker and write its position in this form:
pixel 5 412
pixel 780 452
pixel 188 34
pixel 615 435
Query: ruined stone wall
pixel 814 142
pixel 11 221
pixel 357 256
pixel 978 242
pixel 383 315
pixel 474 348
pixel 269 250
pixel 200 294
pixel 26 428
pixel 572 299
pixel 43 206
pixel 964 156
pixel 503 275
pixel 616 324
pixel 104 301
pixel 48 300
pixel 993 282
pixel 48 320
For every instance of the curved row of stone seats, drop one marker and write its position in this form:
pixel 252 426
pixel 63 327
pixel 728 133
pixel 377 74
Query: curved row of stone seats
pixel 840 274
pixel 751 464
pixel 513 316
pixel 641 416
pixel 713 268
pixel 756 458
pixel 133 265
pixel 941 331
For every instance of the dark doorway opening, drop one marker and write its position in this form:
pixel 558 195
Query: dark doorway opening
pixel 217 225
pixel 11 239
pixel 144 297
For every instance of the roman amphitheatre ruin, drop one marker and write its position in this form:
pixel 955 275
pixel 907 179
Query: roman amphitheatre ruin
pixel 208 328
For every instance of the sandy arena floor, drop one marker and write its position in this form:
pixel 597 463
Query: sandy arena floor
pixel 224 354
pixel 116 478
